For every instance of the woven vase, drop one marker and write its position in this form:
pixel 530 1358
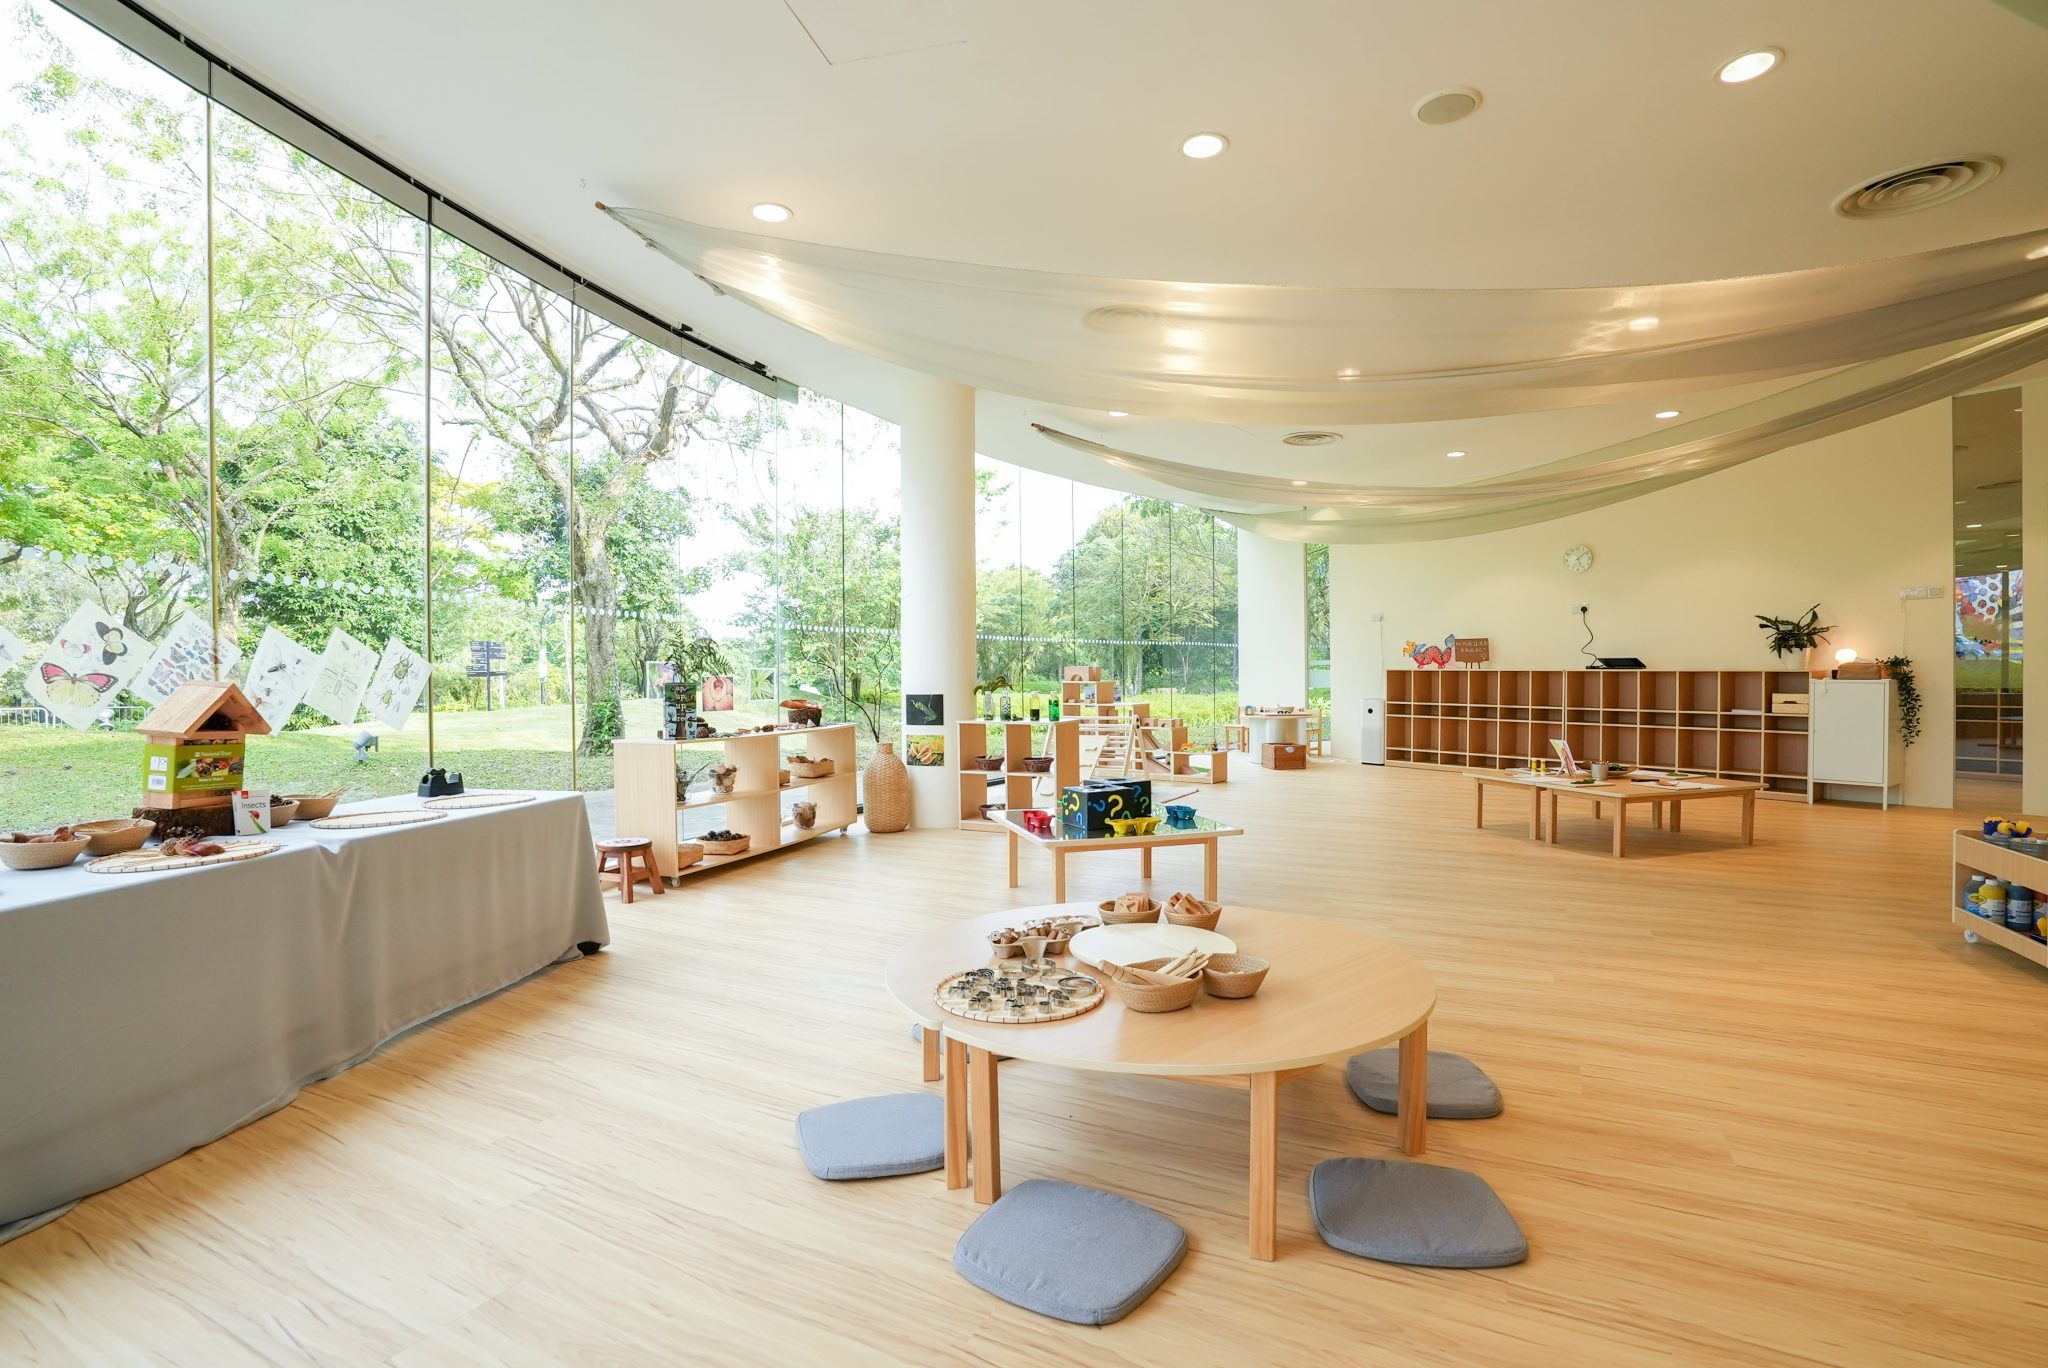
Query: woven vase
pixel 887 790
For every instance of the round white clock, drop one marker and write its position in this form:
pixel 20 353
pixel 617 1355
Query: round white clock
pixel 1578 559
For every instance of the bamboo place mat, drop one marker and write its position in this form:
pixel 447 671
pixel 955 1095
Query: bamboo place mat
pixel 1030 1008
pixel 363 821
pixel 458 802
pixel 150 862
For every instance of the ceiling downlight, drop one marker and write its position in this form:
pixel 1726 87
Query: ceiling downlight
pixel 1913 188
pixel 1312 439
pixel 1447 106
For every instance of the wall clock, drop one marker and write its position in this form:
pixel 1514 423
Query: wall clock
pixel 1578 559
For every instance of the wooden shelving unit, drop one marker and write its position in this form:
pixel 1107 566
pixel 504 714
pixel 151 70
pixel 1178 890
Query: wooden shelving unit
pixel 971 742
pixel 1975 855
pixel 644 792
pixel 1988 732
pixel 1713 722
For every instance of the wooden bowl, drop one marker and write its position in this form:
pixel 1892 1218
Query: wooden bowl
pixel 46 855
pixel 282 813
pixel 116 835
pixel 313 806
pixel 1148 997
pixel 1234 976
pixel 1112 915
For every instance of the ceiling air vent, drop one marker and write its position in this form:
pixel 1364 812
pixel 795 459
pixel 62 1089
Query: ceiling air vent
pixel 1916 187
pixel 1446 106
pixel 1311 438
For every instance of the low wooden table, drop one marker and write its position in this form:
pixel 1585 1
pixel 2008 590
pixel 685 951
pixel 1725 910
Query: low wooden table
pixel 1203 831
pixel 1334 991
pixel 1621 793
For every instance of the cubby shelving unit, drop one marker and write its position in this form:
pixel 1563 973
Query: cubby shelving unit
pixel 644 792
pixel 971 741
pixel 1715 722
pixel 1988 732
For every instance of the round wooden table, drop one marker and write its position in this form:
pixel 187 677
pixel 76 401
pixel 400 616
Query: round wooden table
pixel 1333 992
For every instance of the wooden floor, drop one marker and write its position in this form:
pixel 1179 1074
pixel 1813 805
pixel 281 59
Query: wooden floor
pixel 1763 1106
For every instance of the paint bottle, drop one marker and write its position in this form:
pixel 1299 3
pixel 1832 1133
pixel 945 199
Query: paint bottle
pixel 1991 899
pixel 2019 909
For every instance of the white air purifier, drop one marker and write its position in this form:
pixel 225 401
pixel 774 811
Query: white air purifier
pixel 1372 733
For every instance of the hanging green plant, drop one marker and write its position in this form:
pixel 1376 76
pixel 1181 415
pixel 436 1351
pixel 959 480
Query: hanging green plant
pixel 1901 668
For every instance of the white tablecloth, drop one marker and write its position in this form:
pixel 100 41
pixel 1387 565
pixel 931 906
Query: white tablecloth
pixel 144 1014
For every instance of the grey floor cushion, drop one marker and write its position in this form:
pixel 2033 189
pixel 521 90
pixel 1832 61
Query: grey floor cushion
pixel 874 1137
pixel 1399 1211
pixel 1459 1090
pixel 1072 1253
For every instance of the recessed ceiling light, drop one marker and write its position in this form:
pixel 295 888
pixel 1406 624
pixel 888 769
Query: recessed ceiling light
pixel 1205 145
pixel 1749 65
pixel 772 213
pixel 1973 526
pixel 1667 413
pixel 1118 413
pixel 1454 455
pixel 2038 253
pixel 2000 566
pixel 1351 372
pixel 1312 438
pixel 1298 483
pixel 1642 323
pixel 1446 106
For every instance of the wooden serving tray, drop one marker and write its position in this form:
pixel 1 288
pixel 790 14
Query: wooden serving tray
pixel 1033 1009
pixel 150 862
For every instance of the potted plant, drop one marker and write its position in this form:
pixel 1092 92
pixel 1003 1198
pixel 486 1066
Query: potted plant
pixel 694 659
pixel 1801 634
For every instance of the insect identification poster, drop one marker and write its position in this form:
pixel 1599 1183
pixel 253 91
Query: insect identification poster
pixel 341 677
pixel 185 654
pixel 86 666
pixel 278 675
pixel 395 688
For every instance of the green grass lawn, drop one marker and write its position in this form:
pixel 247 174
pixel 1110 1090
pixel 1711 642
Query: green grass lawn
pixel 55 774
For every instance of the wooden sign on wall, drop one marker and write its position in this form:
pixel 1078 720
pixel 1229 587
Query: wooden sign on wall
pixel 1471 651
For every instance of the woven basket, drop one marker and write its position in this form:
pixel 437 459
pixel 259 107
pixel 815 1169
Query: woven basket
pixel 987 764
pixel 1191 911
pixel 811 769
pixel 1036 764
pixel 886 792
pixel 1234 976
pixel 1127 909
pixel 688 853
pixel 725 847
pixel 116 835
pixel 1148 997
pixel 46 855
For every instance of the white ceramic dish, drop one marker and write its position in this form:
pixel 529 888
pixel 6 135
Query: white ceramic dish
pixel 1134 941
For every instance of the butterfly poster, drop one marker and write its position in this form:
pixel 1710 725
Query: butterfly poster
pixel 13 650
pixel 395 688
pixel 93 656
pixel 278 675
pixel 185 654
pixel 343 674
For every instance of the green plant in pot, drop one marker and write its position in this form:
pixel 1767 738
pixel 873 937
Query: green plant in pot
pixel 1795 635
pixel 694 659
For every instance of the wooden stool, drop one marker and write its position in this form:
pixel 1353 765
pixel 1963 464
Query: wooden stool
pixel 1238 734
pixel 623 849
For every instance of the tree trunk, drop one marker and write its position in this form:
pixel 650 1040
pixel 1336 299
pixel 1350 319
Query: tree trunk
pixel 597 594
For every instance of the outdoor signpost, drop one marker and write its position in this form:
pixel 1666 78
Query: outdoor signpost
pixel 486 659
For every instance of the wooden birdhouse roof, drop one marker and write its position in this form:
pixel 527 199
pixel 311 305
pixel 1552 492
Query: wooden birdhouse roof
pixel 205 707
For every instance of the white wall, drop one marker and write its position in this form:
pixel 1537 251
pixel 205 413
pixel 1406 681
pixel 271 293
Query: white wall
pixel 1272 621
pixel 1677 577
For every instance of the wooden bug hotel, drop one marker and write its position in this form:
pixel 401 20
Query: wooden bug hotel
pixel 193 746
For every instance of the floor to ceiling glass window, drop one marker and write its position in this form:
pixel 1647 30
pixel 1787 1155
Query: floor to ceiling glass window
pixel 444 501
pixel 1990 583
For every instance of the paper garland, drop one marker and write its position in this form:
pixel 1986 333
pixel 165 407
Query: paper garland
pixel 401 675
pixel 85 668
pixel 278 675
pixel 185 654
pixel 342 677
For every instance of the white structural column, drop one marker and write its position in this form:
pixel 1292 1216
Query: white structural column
pixel 2034 560
pixel 937 419
pixel 1272 621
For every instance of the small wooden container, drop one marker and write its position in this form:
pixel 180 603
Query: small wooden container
pixel 314 806
pixel 1234 976
pixel 688 853
pixel 1164 997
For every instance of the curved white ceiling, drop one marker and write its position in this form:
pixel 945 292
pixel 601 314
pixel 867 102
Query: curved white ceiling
pixel 1046 136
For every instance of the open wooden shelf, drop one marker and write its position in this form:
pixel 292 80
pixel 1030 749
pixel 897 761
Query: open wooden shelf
pixel 644 791
pixel 1975 855
pixel 1018 787
pixel 1713 722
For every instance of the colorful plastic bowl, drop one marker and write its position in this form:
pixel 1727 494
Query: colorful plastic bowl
pixel 1134 826
pixel 1180 814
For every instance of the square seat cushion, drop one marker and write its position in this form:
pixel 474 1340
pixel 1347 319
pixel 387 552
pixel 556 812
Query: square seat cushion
pixel 874 1137
pixel 1398 1211
pixel 1072 1253
pixel 1459 1090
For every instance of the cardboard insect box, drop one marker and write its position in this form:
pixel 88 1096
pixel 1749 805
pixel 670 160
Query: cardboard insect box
pixel 193 745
